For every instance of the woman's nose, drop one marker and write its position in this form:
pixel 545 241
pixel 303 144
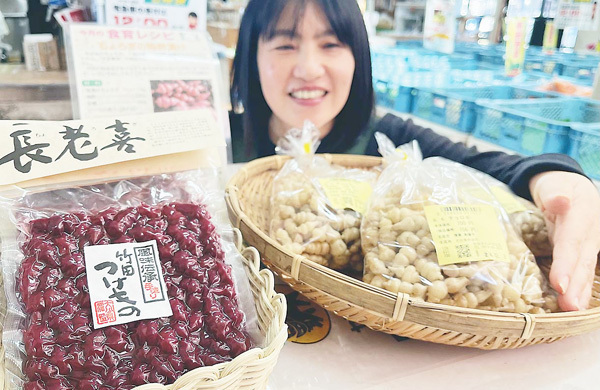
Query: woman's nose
pixel 309 65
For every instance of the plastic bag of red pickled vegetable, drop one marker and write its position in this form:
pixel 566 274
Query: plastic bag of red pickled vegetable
pixel 50 337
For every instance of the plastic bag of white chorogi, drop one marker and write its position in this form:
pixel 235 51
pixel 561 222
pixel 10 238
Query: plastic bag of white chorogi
pixel 427 234
pixel 526 218
pixel 317 206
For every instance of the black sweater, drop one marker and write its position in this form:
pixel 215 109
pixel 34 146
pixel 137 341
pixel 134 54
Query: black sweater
pixel 514 170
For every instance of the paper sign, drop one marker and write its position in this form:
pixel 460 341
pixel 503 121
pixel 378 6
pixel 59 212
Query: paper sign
pixel 138 71
pixel 126 283
pixel 347 193
pixel 439 28
pixel 34 149
pixel 515 45
pixel 179 14
pixel 466 232
pixel 550 37
pixel 582 14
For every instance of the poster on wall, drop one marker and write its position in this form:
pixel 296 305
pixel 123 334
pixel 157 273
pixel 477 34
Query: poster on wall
pixel 582 14
pixel 515 45
pixel 439 30
pixel 134 71
pixel 550 37
pixel 178 14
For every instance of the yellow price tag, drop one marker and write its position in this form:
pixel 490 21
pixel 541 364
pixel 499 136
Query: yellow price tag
pixel 307 148
pixel 347 193
pixel 466 232
pixel 507 200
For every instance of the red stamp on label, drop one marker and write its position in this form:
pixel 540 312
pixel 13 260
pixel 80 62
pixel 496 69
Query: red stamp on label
pixel 105 312
pixel 152 289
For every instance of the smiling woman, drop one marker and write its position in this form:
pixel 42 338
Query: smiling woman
pixel 297 60
pixel 309 59
pixel 305 72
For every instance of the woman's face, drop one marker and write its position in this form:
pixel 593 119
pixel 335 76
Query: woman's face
pixel 306 74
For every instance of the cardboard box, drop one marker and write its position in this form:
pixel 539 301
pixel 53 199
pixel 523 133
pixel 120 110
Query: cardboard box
pixel 41 52
pixel 224 34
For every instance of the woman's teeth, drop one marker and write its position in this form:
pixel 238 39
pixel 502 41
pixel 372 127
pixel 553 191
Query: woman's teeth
pixel 313 94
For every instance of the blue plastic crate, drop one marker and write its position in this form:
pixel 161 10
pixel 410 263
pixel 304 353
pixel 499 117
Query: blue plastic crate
pixel 381 93
pixel 581 69
pixel 466 47
pixel 533 127
pixel 584 147
pixel 494 58
pixel 456 108
pixel 413 44
pixel 400 89
pixel 546 63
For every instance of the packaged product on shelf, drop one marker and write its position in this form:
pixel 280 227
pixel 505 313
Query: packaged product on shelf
pixel 164 293
pixel 429 234
pixel 317 207
pixel 566 88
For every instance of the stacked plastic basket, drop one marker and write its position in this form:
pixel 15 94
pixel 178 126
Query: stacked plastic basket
pixel 469 91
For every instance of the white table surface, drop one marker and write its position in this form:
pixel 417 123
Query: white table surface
pixel 371 360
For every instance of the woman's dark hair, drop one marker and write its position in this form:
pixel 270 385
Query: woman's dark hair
pixel 259 21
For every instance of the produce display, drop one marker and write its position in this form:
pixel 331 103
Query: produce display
pixel 305 224
pixel 63 349
pixel 181 95
pixel 401 256
pixel 313 214
pixel 565 87
pixel 531 226
pixel 526 218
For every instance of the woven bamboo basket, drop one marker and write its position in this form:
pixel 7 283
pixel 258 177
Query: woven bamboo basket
pixel 248 201
pixel 251 369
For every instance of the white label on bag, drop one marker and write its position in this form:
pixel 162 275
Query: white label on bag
pixel 126 283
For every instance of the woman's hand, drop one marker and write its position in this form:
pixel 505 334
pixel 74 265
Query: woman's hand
pixel 571 206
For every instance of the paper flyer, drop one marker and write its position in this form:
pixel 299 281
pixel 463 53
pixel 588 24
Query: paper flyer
pixel 174 14
pixel 582 14
pixel 515 45
pixel 439 29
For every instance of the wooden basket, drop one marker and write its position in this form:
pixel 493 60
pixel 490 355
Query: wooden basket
pixel 251 369
pixel 248 201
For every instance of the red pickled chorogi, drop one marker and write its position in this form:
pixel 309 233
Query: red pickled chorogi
pixel 63 349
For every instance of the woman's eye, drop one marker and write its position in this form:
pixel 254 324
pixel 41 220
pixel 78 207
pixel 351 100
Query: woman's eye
pixel 284 47
pixel 331 45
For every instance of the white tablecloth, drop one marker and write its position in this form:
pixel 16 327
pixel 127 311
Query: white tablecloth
pixel 369 360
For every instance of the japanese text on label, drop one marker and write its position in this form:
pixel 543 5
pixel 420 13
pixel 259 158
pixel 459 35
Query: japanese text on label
pixel 126 283
pixel 466 232
pixel 347 193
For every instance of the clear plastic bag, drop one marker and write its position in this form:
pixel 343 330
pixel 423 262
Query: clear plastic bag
pixel 400 252
pixel 49 336
pixel 308 217
pixel 527 219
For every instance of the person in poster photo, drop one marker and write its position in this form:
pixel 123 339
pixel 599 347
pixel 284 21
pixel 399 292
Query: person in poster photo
pixel 192 21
